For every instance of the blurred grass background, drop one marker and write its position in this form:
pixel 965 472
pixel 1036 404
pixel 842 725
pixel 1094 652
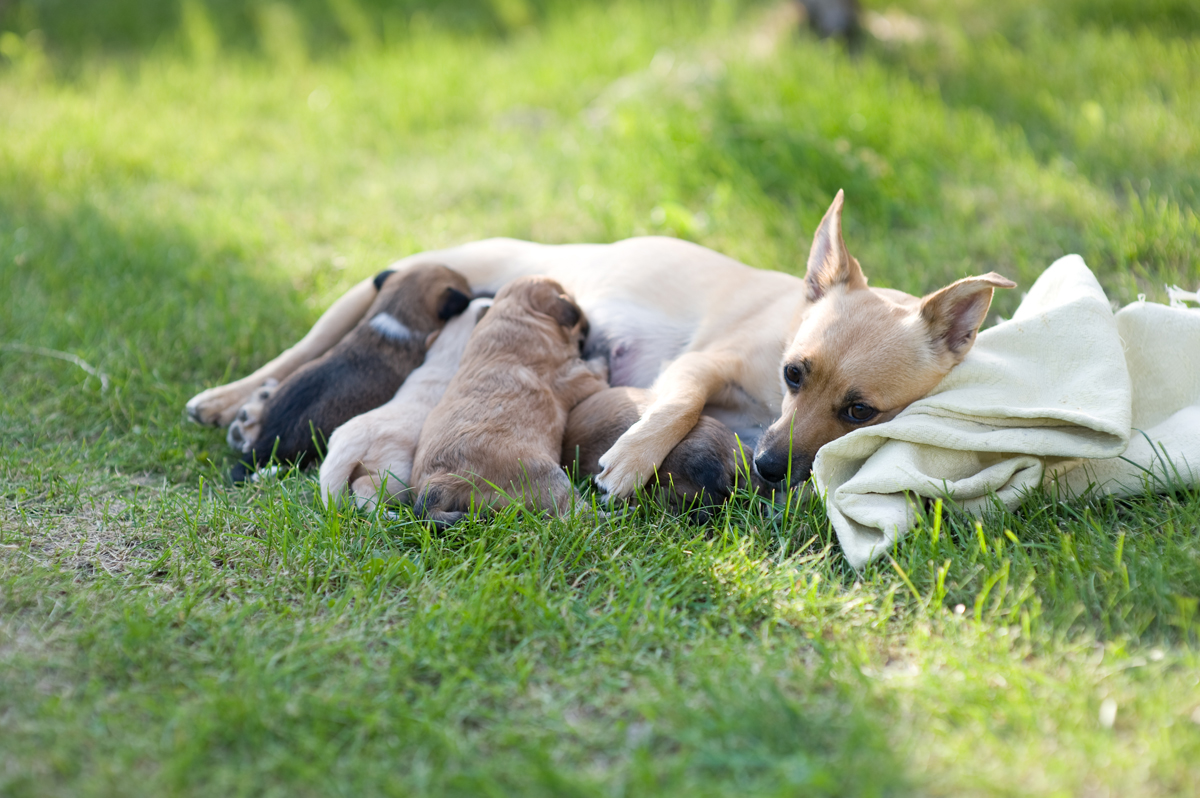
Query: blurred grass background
pixel 185 186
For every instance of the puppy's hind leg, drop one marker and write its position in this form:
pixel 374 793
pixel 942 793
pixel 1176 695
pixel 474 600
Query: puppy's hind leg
pixel 546 487
pixel 438 500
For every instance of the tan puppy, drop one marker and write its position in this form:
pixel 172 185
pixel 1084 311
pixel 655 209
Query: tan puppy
pixel 375 450
pixel 708 335
pixel 699 473
pixel 498 430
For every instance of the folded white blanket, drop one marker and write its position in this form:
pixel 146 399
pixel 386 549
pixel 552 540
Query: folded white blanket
pixel 1065 392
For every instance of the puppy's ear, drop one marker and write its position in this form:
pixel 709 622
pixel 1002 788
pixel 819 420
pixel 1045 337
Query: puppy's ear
pixel 564 311
pixel 451 303
pixel 954 314
pixel 382 277
pixel 829 264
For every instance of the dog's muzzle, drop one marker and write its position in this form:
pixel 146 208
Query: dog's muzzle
pixel 773 464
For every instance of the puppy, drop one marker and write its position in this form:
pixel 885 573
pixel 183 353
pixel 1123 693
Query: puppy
pixel 375 451
pixel 360 373
pixel 497 433
pixel 697 475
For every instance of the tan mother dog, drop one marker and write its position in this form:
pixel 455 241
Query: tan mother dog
pixel 810 359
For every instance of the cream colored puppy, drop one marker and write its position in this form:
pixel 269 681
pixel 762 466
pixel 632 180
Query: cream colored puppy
pixel 371 455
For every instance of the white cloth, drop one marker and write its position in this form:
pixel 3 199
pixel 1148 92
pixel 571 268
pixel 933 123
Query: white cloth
pixel 1065 393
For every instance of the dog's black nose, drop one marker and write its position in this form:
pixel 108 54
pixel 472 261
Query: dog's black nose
pixel 771 466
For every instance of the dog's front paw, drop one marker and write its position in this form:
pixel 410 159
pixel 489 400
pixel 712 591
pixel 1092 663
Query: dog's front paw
pixel 246 426
pixel 625 469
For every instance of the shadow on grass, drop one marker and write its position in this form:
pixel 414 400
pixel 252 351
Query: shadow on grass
pixel 1168 18
pixel 72 28
pixel 801 168
pixel 152 305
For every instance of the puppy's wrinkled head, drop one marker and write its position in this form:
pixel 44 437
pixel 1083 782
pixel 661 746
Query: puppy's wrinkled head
pixel 861 356
pixel 546 297
pixel 421 298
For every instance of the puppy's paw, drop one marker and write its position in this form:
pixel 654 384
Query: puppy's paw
pixel 343 463
pixel 364 490
pixel 245 428
pixel 625 469
pixel 370 489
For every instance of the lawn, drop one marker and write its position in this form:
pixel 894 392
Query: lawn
pixel 185 187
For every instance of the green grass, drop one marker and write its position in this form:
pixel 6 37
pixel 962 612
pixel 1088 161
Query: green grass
pixel 183 188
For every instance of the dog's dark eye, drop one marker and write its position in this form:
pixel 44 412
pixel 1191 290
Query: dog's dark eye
pixel 793 376
pixel 859 413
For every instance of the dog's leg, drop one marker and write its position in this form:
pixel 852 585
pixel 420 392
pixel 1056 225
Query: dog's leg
pixel 443 499
pixel 219 406
pixel 699 473
pixel 546 487
pixel 369 451
pixel 680 394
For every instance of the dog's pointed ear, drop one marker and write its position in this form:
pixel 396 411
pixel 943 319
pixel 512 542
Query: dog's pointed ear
pixel 451 303
pixel 829 264
pixel 955 313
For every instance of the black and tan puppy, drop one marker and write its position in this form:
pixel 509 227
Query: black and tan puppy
pixel 697 475
pixel 496 434
pixel 360 373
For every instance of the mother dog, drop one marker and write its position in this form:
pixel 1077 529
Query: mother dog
pixel 787 363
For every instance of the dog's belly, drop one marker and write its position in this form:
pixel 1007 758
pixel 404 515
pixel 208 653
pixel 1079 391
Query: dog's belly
pixel 745 426
pixel 748 417
pixel 637 341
